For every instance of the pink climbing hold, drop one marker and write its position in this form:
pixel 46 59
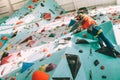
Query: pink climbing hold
pixel 102 67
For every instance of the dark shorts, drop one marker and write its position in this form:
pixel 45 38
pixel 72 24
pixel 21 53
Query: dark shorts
pixel 94 30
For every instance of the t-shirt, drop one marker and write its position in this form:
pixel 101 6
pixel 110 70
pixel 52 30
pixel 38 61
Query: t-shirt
pixel 87 21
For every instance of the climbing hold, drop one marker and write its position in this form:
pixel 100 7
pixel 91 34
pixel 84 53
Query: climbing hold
pixel 48 55
pixel 30 7
pixel 44 50
pixel 73 60
pixel 72 22
pixel 104 77
pixel 25 66
pixel 31 43
pixel 40 75
pixel 81 51
pixel 35 0
pixel 90 51
pixel 43 67
pixel 9 47
pixel 15 27
pixel 90 75
pixel 101 14
pixel 102 67
pixel 42 4
pixel 63 25
pixel 13 78
pixel 37 24
pixel 52 35
pixel 1 44
pixel 27 39
pixel 103 21
pixel 7 77
pixel 5 54
pixel 64 33
pixel 47 16
pixel 14 34
pixel 85 35
pixel 96 62
pixel 58 17
pixel 20 22
pixel 50 67
pixel 106 51
pixel 4 38
pixel 82 41
pixel 67 38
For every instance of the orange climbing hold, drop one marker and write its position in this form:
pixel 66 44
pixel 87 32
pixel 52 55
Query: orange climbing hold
pixel 20 22
pixel 40 75
pixel 4 38
pixel 48 55
pixel 35 0
pixel 1 44
pixel 31 7
pixel 44 50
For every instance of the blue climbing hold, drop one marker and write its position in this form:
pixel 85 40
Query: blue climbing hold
pixel 25 66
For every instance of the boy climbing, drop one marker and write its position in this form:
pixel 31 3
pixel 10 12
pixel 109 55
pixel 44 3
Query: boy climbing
pixel 83 21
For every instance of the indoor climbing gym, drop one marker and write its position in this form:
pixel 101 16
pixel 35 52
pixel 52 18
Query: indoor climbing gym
pixel 59 40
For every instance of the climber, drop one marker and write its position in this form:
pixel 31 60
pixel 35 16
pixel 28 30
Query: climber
pixel 84 21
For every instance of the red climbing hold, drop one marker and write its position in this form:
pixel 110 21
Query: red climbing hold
pixel 85 35
pixel 35 0
pixel 102 67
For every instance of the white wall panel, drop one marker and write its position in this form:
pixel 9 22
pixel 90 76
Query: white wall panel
pixel 13 5
pixel 3 8
pixel 63 2
pixel 85 3
pixel 15 1
pixel 69 6
pixel 18 5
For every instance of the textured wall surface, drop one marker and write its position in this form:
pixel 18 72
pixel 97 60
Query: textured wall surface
pixel 8 7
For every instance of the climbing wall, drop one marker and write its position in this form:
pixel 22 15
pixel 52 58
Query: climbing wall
pixel 46 45
pixel 34 10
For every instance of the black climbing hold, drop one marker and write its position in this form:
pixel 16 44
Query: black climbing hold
pixel 103 21
pixel 104 77
pixel 42 4
pixel 82 41
pixel 106 51
pixel 90 51
pixel 74 64
pixel 101 14
pixel 81 51
pixel 61 12
pixel 5 54
pixel 90 75
pixel 14 34
pixel 96 62
pixel 67 38
pixel 52 35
